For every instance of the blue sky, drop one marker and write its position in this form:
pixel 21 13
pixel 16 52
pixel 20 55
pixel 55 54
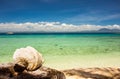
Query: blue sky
pixel 99 12
pixel 58 15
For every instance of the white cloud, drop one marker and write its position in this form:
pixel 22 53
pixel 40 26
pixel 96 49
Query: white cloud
pixel 109 17
pixel 50 27
pixel 92 18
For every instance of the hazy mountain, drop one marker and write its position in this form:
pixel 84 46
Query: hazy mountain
pixel 108 30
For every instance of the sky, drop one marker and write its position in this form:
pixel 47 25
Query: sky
pixel 59 15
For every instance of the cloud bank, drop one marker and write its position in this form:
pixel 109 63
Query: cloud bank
pixel 51 27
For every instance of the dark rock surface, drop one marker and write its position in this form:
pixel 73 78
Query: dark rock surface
pixel 7 72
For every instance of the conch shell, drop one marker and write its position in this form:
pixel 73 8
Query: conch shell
pixel 28 58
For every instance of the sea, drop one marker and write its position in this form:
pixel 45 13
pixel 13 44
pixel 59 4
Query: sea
pixel 65 51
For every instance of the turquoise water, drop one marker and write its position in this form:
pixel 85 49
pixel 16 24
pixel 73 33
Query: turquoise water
pixel 63 51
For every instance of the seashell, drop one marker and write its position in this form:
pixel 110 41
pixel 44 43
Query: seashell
pixel 28 58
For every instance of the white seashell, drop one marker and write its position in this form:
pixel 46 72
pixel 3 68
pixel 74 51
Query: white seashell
pixel 28 57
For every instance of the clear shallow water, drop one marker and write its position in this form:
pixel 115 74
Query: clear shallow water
pixel 67 51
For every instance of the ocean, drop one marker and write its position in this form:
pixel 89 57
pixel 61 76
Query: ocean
pixel 64 51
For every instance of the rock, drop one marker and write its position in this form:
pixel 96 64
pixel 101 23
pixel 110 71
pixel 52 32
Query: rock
pixel 7 72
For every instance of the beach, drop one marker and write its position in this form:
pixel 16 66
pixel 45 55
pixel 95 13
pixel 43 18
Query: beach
pixel 66 51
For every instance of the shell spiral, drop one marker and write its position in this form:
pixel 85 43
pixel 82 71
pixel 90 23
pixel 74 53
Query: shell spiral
pixel 28 57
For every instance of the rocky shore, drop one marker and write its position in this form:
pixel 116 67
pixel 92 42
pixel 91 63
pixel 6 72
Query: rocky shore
pixel 7 72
